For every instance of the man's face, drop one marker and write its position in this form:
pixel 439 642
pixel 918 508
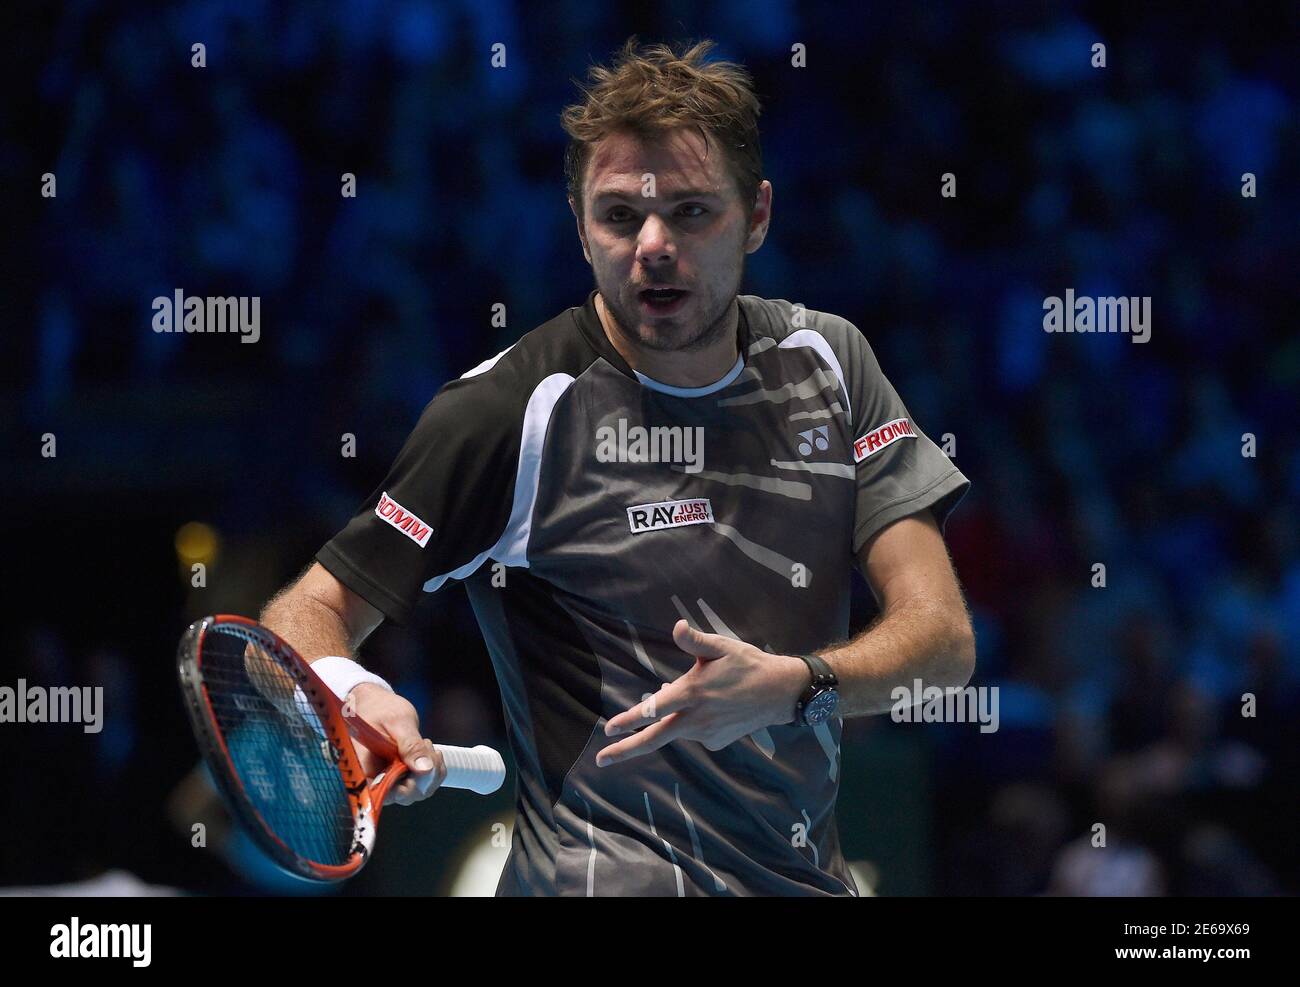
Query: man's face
pixel 688 239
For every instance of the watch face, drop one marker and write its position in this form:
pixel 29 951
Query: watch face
pixel 821 706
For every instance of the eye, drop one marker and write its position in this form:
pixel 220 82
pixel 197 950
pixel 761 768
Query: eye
pixel 692 210
pixel 619 214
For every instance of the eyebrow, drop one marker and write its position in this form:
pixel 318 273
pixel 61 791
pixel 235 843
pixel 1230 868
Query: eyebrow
pixel 638 197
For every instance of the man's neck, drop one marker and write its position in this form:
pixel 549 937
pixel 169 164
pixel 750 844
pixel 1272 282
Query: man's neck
pixel 676 368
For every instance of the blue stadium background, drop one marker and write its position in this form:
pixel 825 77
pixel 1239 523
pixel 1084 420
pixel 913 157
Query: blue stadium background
pixel 1118 705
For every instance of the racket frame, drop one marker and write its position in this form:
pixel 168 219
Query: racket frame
pixel 365 797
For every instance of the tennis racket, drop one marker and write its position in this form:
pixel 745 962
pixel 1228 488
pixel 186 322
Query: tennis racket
pixel 281 751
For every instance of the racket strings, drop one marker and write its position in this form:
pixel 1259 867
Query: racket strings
pixel 278 745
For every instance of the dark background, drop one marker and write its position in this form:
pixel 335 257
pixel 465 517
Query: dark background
pixel 1118 705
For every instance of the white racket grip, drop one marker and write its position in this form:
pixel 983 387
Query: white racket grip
pixel 477 769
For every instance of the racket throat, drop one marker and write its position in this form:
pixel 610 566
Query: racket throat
pixel 364 832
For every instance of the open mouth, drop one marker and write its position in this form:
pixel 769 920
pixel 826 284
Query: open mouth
pixel 661 301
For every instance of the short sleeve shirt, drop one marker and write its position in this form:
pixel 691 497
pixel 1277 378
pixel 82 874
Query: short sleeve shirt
pixel 587 508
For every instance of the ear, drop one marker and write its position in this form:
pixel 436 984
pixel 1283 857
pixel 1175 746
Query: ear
pixel 582 230
pixel 761 218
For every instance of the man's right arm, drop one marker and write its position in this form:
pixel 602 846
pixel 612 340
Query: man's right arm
pixel 320 616
pixel 437 514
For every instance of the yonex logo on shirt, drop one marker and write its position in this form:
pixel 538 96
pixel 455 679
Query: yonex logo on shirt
pixel 669 514
pixel 403 520
pixel 878 438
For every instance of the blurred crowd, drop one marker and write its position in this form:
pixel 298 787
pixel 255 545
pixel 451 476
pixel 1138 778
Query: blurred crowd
pixel 1162 705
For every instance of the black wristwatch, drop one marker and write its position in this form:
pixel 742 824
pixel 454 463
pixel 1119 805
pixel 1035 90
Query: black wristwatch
pixel 818 701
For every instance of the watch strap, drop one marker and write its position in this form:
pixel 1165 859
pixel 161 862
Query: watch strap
pixel 823 679
pixel 822 675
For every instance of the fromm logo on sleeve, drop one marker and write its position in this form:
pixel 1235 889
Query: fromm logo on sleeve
pixel 403 520
pixel 878 438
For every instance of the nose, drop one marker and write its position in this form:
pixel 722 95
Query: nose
pixel 654 245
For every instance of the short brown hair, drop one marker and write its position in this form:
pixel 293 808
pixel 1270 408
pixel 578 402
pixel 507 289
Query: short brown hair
pixel 654 88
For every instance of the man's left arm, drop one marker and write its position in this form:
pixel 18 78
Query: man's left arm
pixel 923 632
pixel 735 688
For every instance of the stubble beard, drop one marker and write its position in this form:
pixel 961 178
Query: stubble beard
pixel 715 325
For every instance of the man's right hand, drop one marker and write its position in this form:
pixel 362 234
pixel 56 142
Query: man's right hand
pixel 318 615
pixel 395 717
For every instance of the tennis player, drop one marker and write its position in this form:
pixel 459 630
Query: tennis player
pixel 654 501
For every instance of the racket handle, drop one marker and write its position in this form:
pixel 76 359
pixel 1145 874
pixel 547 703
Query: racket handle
pixel 477 769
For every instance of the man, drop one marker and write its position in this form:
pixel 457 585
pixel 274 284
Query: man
pixel 654 501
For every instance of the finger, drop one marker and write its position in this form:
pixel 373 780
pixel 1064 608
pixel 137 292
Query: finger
pixel 395 794
pixel 700 644
pixel 418 787
pixel 419 755
pixel 405 792
pixel 671 698
pixel 650 739
pixel 427 783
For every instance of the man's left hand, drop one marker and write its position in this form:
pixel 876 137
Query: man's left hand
pixel 733 690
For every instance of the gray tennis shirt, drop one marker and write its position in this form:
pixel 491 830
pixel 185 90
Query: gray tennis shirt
pixel 587 508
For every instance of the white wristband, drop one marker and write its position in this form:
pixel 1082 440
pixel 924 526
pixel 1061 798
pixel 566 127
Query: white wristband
pixel 342 675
